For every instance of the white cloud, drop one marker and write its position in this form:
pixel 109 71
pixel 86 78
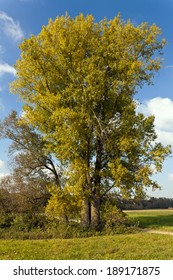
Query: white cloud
pixel 10 27
pixel 165 137
pixel 3 172
pixel 170 177
pixel 6 68
pixel 2 175
pixel 2 164
pixel 162 109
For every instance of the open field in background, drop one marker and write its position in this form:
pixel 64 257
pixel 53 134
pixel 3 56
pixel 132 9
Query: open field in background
pixel 135 246
pixel 153 219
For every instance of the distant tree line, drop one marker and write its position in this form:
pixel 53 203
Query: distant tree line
pixel 27 201
pixel 150 203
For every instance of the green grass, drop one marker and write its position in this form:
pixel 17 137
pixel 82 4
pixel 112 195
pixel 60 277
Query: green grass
pixel 153 219
pixel 142 246
pixel 136 246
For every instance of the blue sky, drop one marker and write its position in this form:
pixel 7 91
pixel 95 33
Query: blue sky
pixel 21 18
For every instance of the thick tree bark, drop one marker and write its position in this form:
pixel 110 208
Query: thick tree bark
pixel 86 213
pixel 90 213
pixel 95 213
pixel 95 204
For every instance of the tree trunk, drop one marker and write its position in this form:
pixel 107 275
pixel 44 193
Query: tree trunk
pixel 95 213
pixel 95 204
pixel 86 213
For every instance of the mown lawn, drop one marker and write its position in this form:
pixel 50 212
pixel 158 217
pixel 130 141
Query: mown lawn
pixel 141 246
pixel 153 219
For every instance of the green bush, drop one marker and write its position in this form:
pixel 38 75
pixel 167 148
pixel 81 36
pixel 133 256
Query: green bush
pixel 116 221
pixel 6 220
pixel 39 226
pixel 29 221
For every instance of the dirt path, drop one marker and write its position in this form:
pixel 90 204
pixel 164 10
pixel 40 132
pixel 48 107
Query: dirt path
pixel 158 231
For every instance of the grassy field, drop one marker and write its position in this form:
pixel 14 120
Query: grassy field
pixel 153 219
pixel 140 245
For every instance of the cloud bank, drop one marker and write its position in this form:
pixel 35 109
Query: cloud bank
pixel 5 68
pixel 162 109
pixel 10 27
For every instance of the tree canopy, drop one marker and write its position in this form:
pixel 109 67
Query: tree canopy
pixel 77 79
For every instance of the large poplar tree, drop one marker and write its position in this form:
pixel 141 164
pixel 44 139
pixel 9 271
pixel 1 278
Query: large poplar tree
pixel 78 79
